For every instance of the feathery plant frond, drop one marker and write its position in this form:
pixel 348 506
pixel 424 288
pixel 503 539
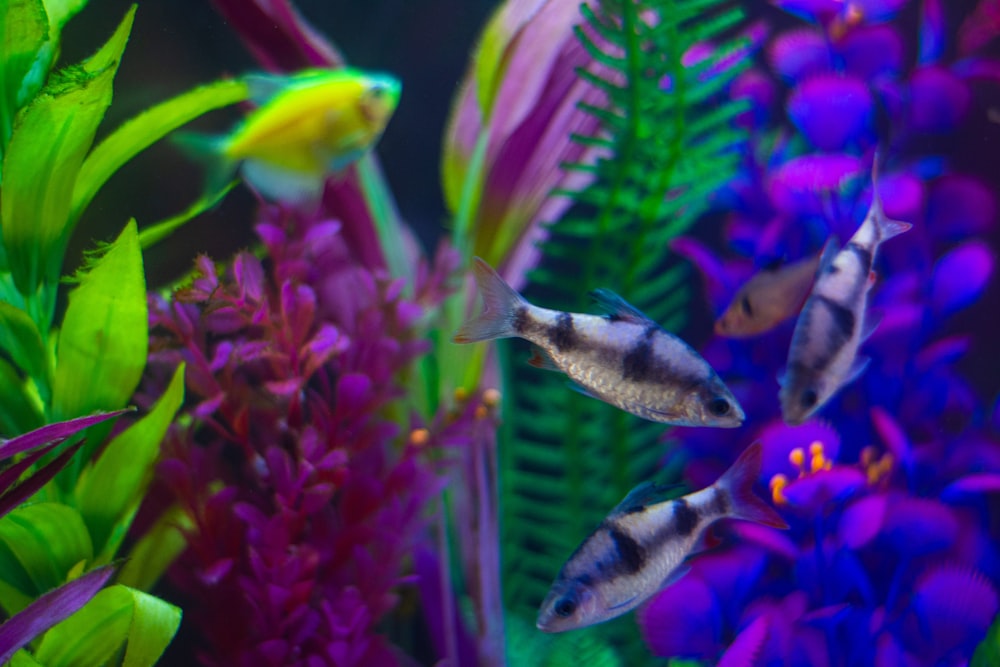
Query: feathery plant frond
pixel 668 139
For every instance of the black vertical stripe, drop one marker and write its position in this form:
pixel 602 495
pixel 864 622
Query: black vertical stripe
pixel 685 518
pixel 520 322
pixel 843 318
pixel 864 255
pixel 563 334
pixel 637 365
pixel 720 504
pixel 631 556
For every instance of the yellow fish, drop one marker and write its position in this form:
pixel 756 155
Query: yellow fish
pixel 308 126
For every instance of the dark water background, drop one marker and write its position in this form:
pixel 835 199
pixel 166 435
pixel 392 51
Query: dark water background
pixel 178 44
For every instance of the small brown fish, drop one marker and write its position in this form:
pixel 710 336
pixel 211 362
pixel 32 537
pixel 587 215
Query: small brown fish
pixel 768 299
pixel 624 358
pixel 642 546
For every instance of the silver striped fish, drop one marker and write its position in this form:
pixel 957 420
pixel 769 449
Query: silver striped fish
pixel 642 546
pixel 624 358
pixel 823 356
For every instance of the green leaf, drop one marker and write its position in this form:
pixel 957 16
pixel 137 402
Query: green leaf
pixel 24 28
pixel 987 654
pixel 147 128
pixel 19 413
pixel 50 139
pixel 102 346
pixel 117 616
pixel 59 12
pixel 156 550
pixel 19 337
pixel 668 149
pixel 23 659
pixel 109 491
pixel 47 540
pixel 156 232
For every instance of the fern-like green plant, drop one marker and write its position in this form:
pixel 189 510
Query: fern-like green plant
pixel 668 137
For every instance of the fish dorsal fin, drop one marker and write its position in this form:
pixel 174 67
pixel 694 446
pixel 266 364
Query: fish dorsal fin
pixel 830 250
pixel 857 369
pixel 617 307
pixel 644 495
pixel 263 86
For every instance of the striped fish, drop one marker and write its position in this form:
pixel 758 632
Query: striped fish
pixel 642 546
pixel 823 355
pixel 624 358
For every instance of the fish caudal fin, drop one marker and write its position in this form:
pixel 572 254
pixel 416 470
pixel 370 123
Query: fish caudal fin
pixel 886 228
pixel 500 303
pixel 208 150
pixel 737 483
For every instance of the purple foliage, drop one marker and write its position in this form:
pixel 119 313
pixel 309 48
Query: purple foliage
pixel 890 559
pixel 50 609
pixel 305 498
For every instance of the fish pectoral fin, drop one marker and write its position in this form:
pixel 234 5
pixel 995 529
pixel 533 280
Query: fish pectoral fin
pixel 857 369
pixel 541 359
pixel 644 495
pixel 580 389
pixel 676 575
pixel 617 307
pixel 263 87
pixel 872 320
pixel 623 604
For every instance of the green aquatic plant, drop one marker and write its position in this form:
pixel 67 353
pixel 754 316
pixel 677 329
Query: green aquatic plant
pixel 71 529
pixel 665 144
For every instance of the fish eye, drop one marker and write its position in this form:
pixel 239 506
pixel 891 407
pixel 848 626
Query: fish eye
pixel 377 90
pixel 809 398
pixel 719 407
pixel 565 607
pixel 745 305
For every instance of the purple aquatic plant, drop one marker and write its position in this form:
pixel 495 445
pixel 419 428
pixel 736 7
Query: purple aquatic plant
pixel 304 496
pixel 890 560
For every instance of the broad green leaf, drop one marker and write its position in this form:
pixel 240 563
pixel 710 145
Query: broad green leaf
pixel 987 654
pixel 16 589
pixel 24 28
pixel 51 137
pixel 23 659
pixel 59 12
pixel 102 346
pixel 19 412
pixel 147 128
pixel 109 492
pixel 47 540
pixel 19 337
pixel 117 615
pixel 156 550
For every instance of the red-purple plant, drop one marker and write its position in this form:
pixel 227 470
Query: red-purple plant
pixel 304 495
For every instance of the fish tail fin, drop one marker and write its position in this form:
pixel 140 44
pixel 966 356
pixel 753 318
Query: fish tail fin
pixel 209 151
pixel 500 303
pixel 737 483
pixel 886 228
